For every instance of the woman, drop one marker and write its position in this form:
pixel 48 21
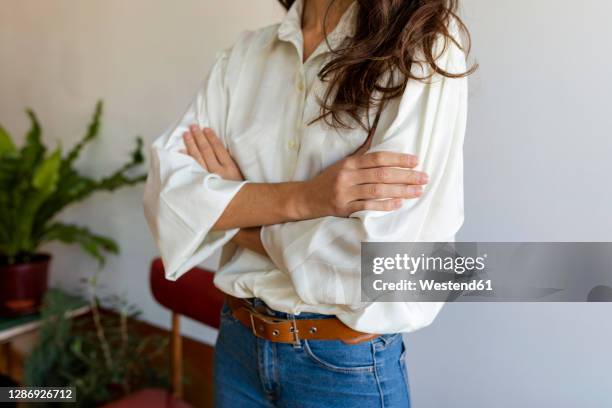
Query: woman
pixel 343 124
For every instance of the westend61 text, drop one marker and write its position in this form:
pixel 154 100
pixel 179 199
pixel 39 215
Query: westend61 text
pixel 431 285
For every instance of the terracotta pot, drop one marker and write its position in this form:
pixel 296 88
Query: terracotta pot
pixel 23 285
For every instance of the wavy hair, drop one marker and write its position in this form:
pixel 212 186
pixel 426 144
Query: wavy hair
pixel 390 36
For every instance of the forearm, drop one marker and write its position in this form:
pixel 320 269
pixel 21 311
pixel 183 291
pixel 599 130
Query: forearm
pixel 266 204
pixel 375 182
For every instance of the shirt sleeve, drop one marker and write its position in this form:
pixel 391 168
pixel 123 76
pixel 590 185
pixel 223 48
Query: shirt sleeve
pixel 182 201
pixel 322 256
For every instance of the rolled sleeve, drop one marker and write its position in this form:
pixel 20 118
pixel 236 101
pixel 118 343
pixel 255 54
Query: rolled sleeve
pixel 182 201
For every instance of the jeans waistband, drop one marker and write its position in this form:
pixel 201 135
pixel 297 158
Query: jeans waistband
pixel 261 306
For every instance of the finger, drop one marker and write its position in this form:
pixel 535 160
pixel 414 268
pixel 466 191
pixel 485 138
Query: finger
pixel 375 205
pixel 385 159
pixel 220 151
pixel 389 175
pixel 380 191
pixel 205 149
pixel 192 149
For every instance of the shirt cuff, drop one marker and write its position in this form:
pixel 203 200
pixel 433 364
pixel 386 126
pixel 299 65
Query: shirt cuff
pixel 189 238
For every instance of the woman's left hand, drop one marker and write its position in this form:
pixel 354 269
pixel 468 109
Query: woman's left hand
pixel 206 148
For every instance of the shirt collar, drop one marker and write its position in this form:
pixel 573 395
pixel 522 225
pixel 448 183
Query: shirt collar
pixel 290 29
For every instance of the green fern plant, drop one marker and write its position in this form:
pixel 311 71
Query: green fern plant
pixel 35 186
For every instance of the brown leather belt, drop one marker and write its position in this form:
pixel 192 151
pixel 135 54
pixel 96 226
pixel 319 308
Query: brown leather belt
pixel 292 331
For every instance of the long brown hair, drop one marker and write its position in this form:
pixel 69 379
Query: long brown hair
pixel 390 35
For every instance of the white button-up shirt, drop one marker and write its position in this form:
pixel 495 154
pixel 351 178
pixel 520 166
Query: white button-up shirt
pixel 260 97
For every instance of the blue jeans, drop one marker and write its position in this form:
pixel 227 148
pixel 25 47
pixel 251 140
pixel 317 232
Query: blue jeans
pixel 253 372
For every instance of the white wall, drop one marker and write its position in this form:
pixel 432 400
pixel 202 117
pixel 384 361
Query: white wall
pixel 146 59
pixel 537 169
pixel 536 164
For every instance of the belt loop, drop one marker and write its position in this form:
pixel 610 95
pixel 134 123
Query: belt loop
pixel 253 325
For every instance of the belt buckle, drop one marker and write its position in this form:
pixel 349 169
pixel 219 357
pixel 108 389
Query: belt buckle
pixel 256 318
pixel 293 328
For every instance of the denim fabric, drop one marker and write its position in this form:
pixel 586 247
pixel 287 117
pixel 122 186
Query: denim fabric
pixel 253 372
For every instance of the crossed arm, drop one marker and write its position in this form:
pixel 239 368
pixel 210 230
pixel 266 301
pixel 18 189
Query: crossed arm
pixel 363 181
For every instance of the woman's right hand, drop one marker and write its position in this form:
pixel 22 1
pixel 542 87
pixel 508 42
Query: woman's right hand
pixel 377 181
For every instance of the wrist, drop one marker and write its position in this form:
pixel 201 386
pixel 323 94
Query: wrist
pixel 299 202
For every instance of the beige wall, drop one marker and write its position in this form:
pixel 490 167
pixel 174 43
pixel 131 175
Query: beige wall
pixel 146 59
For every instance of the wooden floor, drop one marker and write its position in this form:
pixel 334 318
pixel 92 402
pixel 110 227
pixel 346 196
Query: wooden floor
pixel 197 364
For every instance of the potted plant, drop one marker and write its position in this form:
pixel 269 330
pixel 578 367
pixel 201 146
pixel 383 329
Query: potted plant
pixel 105 355
pixel 34 187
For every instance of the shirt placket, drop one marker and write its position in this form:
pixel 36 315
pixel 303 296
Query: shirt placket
pixel 300 88
pixel 295 136
pixel 304 79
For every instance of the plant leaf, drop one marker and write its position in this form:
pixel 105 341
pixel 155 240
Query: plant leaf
pixel 46 176
pixel 74 187
pixel 92 133
pixel 92 243
pixel 33 150
pixel 6 142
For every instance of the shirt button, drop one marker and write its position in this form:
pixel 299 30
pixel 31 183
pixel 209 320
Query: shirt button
pixel 293 145
pixel 300 85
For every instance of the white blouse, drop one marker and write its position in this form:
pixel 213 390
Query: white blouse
pixel 259 97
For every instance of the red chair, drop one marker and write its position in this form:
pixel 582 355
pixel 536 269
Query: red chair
pixel 193 295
